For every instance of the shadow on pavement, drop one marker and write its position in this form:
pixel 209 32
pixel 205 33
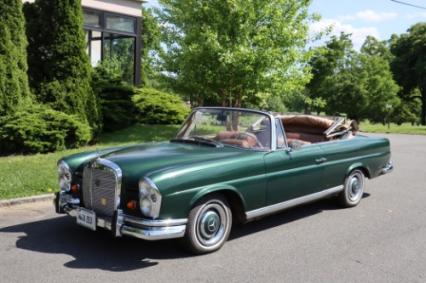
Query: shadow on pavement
pixel 90 249
pixel 99 250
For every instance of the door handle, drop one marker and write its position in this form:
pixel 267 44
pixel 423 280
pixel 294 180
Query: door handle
pixel 320 160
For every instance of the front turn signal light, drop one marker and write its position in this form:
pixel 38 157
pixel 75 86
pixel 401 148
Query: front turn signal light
pixel 132 204
pixel 74 188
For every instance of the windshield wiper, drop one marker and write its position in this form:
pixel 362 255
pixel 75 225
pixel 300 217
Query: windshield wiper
pixel 199 140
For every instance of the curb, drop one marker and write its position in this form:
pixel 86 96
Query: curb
pixel 17 201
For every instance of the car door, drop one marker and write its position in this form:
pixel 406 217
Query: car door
pixel 293 173
pixel 339 156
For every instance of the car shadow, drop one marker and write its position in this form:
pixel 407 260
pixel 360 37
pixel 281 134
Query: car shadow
pixel 286 216
pixel 99 250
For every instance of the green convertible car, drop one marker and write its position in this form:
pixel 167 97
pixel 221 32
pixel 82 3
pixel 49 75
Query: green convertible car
pixel 225 165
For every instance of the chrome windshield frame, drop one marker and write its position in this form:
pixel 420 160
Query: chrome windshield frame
pixel 265 113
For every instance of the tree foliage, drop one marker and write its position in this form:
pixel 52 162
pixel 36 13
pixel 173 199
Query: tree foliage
pixel 13 57
pixel 226 52
pixel 151 48
pixel 409 64
pixel 359 84
pixel 59 67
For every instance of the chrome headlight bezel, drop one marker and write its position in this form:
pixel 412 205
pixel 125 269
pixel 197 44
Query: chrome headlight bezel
pixel 149 198
pixel 64 176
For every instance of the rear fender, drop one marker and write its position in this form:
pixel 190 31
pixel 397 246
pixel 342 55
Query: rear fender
pixel 359 165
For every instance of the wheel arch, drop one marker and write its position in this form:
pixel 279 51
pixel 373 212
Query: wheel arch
pixel 232 195
pixel 360 166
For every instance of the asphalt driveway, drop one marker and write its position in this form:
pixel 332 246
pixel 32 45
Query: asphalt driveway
pixel 381 240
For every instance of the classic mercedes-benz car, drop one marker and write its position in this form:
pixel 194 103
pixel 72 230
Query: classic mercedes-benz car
pixel 225 165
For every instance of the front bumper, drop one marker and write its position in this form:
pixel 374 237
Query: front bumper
pixel 122 224
pixel 387 168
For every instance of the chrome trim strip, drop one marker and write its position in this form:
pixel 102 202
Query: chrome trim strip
pixel 291 203
pixel 155 223
pixel 155 233
pixel 387 168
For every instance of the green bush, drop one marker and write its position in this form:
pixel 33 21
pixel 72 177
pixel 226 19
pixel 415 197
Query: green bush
pixel 157 107
pixel 118 110
pixel 38 128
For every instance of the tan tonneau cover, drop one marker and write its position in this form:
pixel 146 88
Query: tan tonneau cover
pixel 328 126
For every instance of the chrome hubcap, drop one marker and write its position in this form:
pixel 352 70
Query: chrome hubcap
pixel 356 185
pixel 211 224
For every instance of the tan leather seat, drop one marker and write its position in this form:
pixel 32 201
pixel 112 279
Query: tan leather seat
pixel 246 140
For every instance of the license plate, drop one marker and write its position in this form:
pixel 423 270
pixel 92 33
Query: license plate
pixel 86 218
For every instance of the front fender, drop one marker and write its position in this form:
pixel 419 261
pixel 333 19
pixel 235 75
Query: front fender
pixel 216 188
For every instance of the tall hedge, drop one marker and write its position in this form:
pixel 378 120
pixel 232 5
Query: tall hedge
pixel 13 60
pixel 59 67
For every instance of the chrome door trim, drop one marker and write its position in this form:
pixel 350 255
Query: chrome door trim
pixel 291 203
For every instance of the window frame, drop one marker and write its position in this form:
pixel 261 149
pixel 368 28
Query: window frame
pixel 136 35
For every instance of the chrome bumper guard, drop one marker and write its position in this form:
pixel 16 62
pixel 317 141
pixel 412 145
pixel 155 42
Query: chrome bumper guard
pixel 122 224
pixel 387 168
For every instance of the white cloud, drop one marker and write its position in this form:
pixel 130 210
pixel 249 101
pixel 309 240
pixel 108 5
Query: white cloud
pixel 370 16
pixel 358 34
pixel 413 16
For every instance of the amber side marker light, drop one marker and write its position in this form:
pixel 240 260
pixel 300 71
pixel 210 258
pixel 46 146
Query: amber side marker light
pixel 131 204
pixel 74 188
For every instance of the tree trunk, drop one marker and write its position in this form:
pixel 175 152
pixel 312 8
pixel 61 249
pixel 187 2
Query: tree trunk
pixel 236 115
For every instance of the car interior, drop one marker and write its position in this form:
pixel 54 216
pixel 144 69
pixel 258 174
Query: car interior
pixel 308 129
pixel 299 129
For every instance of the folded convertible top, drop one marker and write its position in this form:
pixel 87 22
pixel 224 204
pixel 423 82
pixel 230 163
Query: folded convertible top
pixel 330 127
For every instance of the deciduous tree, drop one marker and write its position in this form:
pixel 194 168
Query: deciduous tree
pixel 358 84
pixel 226 52
pixel 409 64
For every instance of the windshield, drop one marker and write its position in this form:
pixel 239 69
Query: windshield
pixel 232 127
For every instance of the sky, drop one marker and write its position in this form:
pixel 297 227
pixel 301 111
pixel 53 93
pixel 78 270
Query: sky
pixel 379 18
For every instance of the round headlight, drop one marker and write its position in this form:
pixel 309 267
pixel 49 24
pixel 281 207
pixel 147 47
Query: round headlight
pixel 149 198
pixel 64 176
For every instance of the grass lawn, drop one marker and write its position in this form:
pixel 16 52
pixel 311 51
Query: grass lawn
pixel 36 174
pixel 406 128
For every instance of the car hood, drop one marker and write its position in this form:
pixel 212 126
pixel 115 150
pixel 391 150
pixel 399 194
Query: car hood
pixel 148 159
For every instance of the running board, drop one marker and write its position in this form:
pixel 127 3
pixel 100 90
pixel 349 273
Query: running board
pixel 291 203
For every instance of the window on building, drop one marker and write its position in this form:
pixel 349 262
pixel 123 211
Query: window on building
pixel 119 23
pixel 114 38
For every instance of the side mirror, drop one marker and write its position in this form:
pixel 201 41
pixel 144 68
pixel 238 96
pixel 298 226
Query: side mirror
pixel 288 149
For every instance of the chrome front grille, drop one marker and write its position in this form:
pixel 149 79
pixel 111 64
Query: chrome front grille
pixel 101 187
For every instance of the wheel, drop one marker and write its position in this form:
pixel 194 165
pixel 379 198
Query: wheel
pixel 209 225
pixel 353 189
